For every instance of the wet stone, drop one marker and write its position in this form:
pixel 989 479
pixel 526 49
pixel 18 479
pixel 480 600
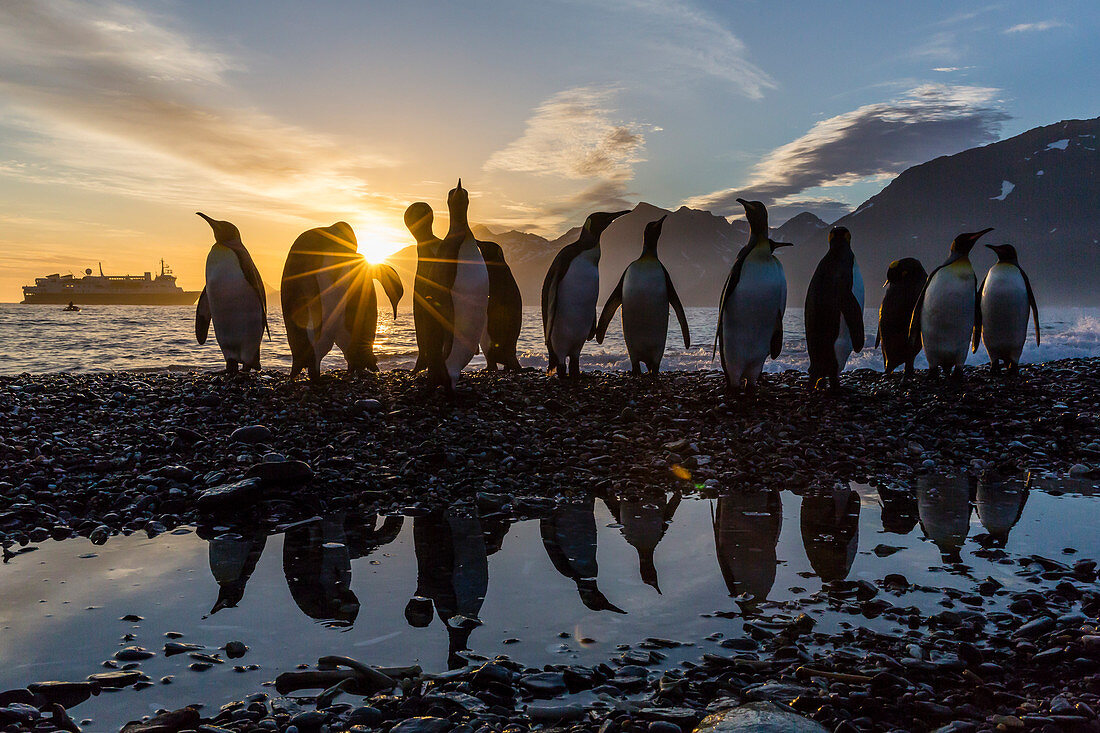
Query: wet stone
pixel 251 434
pixel 426 724
pixel 232 495
pixel 758 717
pixel 133 654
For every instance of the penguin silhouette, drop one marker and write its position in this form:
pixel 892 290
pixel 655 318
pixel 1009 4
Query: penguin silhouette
pixel 426 289
pixel 834 311
pixel 505 315
pixel 750 311
pixel 645 292
pixel 905 279
pixel 234 299
pixel 569 294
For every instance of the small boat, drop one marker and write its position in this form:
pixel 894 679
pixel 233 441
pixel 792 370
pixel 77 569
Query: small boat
pixel 72 307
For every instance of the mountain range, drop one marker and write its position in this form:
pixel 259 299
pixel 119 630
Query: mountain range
pixel 1039 191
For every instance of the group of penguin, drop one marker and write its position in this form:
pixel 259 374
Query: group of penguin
pixel 465 299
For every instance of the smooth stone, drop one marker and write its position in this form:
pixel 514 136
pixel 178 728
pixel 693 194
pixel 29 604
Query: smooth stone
pixel 133 654
pixel 773 692
pixel 251 434
pixel 425 724
pixel 65 694
pixel 170 722
pixel 282 473
pixel 545 684
pixel 368 405
pixel 245 491
pixel 759 717
pixel 235 649
pixel 116 680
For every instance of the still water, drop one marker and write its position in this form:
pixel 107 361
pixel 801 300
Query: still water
pixel 45 338
pixel 570 586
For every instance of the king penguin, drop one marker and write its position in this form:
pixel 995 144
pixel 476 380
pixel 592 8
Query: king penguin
pixel 905 279
pixel 234 298
pixel 750 313
pixel 1004 298
pixel 505 316
pixel 426 292
pixel 569 295
pixel 947 310
pixel 645 292
pixel 834 310
pixel 464 301
pixel 328 299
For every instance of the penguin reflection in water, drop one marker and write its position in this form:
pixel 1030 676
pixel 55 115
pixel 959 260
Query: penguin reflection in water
pixel 746 532
pixel 834 311
pixel 944 506
pixel 1004 298
pixel 750 312
pixel 830 532
pixel 234 298
pixel 569 536
pixel 328 299
pixel 645 291
pixel 569 294
pixel 947 310
pixel 644 524
pixel 452 574
pixel 233 557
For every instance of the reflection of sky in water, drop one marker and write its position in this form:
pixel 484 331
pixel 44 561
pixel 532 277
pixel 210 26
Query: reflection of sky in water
pixel 43 338
pixel 341 587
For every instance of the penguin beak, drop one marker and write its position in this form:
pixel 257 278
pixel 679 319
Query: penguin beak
pixel 743 202
pixel 459 183
pixel 777 245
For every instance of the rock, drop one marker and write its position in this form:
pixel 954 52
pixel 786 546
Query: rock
pixel 116 680
pixel 774 692
pixel 367 716
pixel 251 434
pixel 65 694
pixel 309 721
pixel 544 684
pixel 759 717
pixel 1079 470
pixel 133 654
pixel 549 712
pixel 171 722
pixel 233 495
pixel 235 649
pixel 426 724
pixel 368 406
pixel 172 648
pixel 282 473
pixel 1035 627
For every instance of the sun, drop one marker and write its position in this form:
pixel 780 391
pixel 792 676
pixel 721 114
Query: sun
pixel 378 240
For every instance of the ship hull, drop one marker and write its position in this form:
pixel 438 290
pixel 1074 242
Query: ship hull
pixel 183 297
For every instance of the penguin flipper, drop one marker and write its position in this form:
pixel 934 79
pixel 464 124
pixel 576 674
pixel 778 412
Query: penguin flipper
pixel 1031 302
pixel 727 293
pixel 202 317
pixel 550 293
pixel 978 316
pixel 674 301
pixel 252 275
pixel 914 322
pixel 391 283
pixel 853 316
pixel 777 337
pixel 613 302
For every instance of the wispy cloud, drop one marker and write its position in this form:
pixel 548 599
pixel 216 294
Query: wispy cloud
pixel 111 98
pixel 575 135
pixel 874 141
pixel 1042 25
pixel 683 35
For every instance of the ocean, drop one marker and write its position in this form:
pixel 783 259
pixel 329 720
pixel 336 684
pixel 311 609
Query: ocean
pixel 48 339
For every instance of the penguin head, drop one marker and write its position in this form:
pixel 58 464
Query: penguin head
pixel 757 215
pixel 907 269
pixel 491 252
pixel 840 238
pixel 419 218
pixel 652 234
pixel 458 196
pixel 597 222
pixel 224 232
pixel 965 242
pixel 342 233
pixel 1005 253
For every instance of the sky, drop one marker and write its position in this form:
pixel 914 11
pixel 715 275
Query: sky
pixel 120 120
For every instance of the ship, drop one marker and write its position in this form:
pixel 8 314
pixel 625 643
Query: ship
pixel 110 289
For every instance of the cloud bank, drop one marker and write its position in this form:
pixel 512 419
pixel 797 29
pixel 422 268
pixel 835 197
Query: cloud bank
pixel 874 141
pixel 117 101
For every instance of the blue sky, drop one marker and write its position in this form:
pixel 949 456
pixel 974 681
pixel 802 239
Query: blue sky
pixel 119 120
